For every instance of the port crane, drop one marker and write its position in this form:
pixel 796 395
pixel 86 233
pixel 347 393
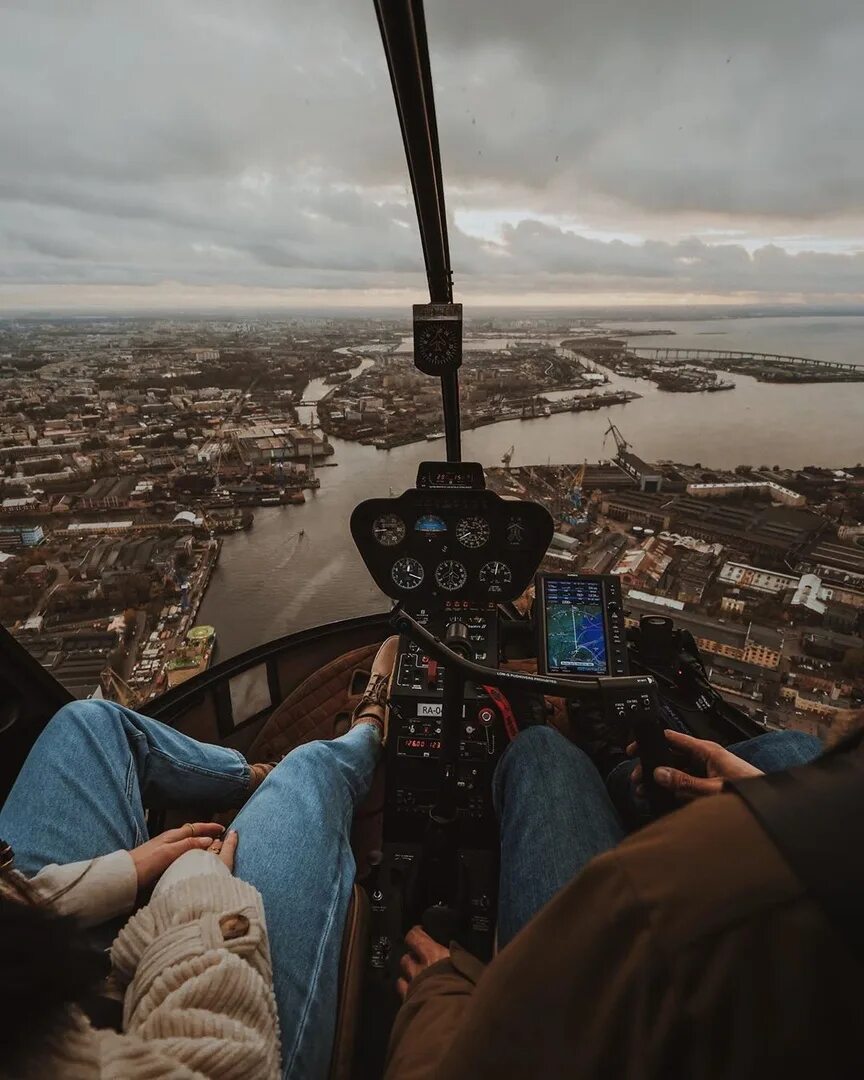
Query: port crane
pixel 576 492
pixel 621 443
pixel 507 457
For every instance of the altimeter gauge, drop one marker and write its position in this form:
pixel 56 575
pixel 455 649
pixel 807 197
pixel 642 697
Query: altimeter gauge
pixel 407 573
pixel 495 575
pixel 388 530
pixel 472 532
pixel 451 575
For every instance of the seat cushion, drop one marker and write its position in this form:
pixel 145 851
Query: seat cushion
pixel 313 709
pixel 352 969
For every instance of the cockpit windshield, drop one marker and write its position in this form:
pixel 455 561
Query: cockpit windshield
pixel 210 251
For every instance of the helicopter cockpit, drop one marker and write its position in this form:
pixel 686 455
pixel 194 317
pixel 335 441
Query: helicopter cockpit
pixel 473 665
pixel 451 555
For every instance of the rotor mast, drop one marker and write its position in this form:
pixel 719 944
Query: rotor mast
pixel 437 325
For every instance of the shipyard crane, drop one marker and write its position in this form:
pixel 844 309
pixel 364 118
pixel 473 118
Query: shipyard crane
pixel 620 442
pixel 507 457
pixel 576 493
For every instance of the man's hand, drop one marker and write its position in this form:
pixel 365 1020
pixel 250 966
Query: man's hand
pixel 422 953
pixel 718 763
pixel 153 858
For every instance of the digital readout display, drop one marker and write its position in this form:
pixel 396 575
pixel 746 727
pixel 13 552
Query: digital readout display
pixel 418 746
pixel 575 627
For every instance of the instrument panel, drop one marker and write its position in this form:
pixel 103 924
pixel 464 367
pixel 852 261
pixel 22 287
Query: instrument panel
pixel 436 545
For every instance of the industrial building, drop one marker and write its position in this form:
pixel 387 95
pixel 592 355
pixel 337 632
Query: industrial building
pixel 647 477
pixel 760 646
pixel 723 488
pixel 13 536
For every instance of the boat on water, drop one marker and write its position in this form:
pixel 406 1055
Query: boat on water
pixel 193 657
pixel 433 435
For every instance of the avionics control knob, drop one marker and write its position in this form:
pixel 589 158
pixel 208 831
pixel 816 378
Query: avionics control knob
pixel 486 715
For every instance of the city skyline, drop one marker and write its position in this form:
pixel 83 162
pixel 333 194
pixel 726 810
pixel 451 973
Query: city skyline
pixel 197 156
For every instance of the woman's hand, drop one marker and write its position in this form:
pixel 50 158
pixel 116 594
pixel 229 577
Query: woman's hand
pixel 718 763
pixel 422 953
pixel 153 858
pixel 225 849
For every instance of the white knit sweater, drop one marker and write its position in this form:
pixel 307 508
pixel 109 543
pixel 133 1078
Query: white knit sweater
pixel 195 965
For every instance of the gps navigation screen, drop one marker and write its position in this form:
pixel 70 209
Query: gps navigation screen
pixel 575 629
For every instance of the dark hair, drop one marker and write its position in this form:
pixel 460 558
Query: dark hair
pixel 46 965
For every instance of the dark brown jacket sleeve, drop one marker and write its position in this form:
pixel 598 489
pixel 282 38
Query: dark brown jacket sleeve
pixel 687 952
pixel 436 1001
pixel 573 965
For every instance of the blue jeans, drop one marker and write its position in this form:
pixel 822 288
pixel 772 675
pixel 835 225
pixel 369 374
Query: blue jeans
pixel 547 840
pixel 555 816
pixel 82 791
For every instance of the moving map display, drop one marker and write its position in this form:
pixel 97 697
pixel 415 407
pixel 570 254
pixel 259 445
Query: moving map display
pixel 575 630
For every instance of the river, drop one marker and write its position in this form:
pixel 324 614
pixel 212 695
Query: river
pixel 271 581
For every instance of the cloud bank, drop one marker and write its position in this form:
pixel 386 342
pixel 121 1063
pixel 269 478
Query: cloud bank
pixel 618 150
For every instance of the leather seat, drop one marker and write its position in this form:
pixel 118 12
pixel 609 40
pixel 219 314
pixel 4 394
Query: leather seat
pixel 352 969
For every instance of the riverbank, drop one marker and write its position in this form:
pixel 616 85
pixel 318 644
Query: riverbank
pixel 267 584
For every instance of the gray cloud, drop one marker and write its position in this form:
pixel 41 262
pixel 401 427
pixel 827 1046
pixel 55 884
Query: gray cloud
pixel 256 145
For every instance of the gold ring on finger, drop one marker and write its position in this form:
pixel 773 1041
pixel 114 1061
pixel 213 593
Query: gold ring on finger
pixel 189 825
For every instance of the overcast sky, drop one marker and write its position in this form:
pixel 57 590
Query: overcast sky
pixel 201 152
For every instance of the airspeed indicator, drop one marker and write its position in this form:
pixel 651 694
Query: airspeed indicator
pixel 388 530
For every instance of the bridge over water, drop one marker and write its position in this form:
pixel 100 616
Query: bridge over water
pixel 680 352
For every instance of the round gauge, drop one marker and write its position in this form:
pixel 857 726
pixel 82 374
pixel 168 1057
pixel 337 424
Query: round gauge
pixel 388 530
pixel 472 532
pixel 407 573
pixel 451 575
pixel 495 575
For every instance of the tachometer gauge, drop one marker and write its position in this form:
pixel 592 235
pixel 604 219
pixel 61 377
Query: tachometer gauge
pixel 472 532
pixel 495 575
pixel 407 573
pixel 450 575
pixel 389 530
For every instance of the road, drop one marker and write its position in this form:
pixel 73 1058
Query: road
pixel 60 581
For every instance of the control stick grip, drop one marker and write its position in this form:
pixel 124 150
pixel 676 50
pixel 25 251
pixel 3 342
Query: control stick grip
pixel 654 751
pixel 442 922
